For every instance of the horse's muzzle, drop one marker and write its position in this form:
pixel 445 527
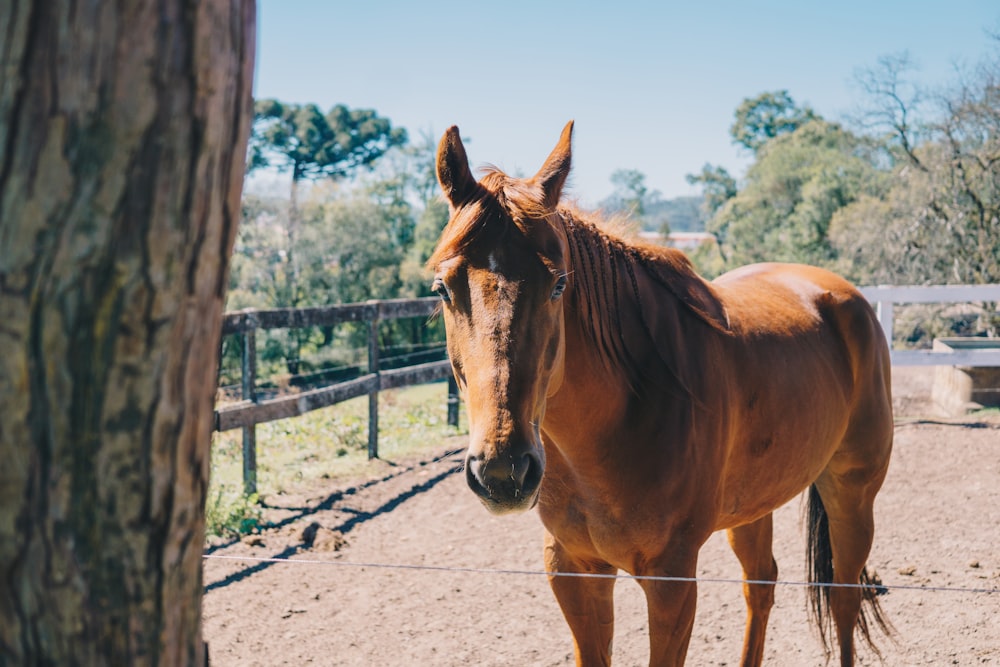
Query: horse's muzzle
pixel 505 484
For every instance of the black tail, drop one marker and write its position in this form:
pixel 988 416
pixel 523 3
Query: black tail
pixel 819 564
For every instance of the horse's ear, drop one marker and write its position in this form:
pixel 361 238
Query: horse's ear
pixel 453 171
pixel 552 176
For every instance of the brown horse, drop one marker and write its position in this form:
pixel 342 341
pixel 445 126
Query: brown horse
pixel 642 408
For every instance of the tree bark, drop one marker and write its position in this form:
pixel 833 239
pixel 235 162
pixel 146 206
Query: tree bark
pixel 123 131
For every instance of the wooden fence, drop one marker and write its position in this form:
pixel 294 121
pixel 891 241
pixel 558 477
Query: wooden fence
pixel 885 296
pixel 250 411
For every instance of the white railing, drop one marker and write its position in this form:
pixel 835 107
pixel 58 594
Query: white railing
pixel 884 296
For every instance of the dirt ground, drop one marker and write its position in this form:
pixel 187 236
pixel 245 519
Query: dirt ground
pixel 357 592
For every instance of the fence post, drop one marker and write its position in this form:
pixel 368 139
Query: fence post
pixel 248 392
pixel 452 401
pixel 373 396
pixel 883 310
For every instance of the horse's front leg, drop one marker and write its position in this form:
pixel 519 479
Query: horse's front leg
pixel 586 602
pixel 671 602
pixel 752 545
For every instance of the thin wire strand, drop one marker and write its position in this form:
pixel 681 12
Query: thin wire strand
pixel 597 575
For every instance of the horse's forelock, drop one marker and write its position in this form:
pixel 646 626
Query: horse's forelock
pixel 523 200
pixel 469 223
pixel 503 201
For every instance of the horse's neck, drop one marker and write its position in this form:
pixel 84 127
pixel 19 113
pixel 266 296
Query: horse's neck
pixel 628 326
pixel 590 391
pixel 606 331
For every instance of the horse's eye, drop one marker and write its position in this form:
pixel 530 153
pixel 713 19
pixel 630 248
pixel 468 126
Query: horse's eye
pixel 441 290
pixel 560 287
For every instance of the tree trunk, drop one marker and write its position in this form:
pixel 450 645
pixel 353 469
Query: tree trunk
pixel 292 276
pixel 123 130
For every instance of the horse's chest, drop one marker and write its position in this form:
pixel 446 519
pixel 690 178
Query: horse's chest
pixel 621 534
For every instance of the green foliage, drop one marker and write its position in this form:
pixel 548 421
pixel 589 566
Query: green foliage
pixel 632 198
pixel 708 260
pixel 769 115
pixel 336 242
pixel 413 273
pixel 791 192
pixel 717 185
pixel 351 247
pixel 300 138
pixel 231 514
pixel 941 218
pixel 630 194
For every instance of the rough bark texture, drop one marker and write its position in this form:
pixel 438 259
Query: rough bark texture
pixel 123 129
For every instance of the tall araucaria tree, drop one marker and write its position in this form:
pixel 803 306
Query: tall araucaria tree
pixel 302 140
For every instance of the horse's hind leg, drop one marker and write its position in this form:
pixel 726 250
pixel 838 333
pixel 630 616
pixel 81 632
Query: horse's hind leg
pixel 752 545
pixel 842 499
pixel 848 498
pixel 587 603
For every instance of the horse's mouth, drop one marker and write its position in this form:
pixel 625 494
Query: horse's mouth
pixel 501 506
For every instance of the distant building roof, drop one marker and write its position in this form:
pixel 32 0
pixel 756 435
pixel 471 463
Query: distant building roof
pixel 680 240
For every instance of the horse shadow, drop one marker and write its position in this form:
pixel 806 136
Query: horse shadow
pixel 330 502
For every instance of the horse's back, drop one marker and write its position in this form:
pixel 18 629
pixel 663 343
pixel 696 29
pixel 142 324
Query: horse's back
pixel 785 301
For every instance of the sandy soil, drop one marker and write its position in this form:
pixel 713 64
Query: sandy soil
pixel 357 594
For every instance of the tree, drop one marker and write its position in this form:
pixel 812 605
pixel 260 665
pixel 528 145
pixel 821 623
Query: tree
pixel 413 272
pixel 791 193
pixel 716 184
pixel 352 244
pixel 366 238
pixel 769 115
pixel 257 274
pixel 943 209
pixel 630 191
pixel 894 102
pixel 123 132
pixel 300 139
pixel 633 199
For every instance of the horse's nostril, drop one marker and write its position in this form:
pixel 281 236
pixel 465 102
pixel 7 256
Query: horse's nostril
pixel 519 470
pixel 532 475
pixel 527 472
pixel 473 477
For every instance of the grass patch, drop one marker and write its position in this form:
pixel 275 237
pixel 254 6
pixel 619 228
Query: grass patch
pixel 327 444
pixel 229 513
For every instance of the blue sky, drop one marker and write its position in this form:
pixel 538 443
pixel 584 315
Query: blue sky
pixel 652 85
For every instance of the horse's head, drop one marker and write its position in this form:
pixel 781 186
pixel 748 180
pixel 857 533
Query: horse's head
pixel 501 269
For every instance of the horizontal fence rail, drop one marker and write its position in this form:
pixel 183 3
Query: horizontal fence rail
pixel 251 410
pixel 248 412
pixel 885 296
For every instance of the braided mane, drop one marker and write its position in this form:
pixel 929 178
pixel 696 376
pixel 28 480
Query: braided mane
pixel 608 272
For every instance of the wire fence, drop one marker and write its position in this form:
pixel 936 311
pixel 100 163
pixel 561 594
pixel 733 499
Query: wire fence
pixel 880 587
